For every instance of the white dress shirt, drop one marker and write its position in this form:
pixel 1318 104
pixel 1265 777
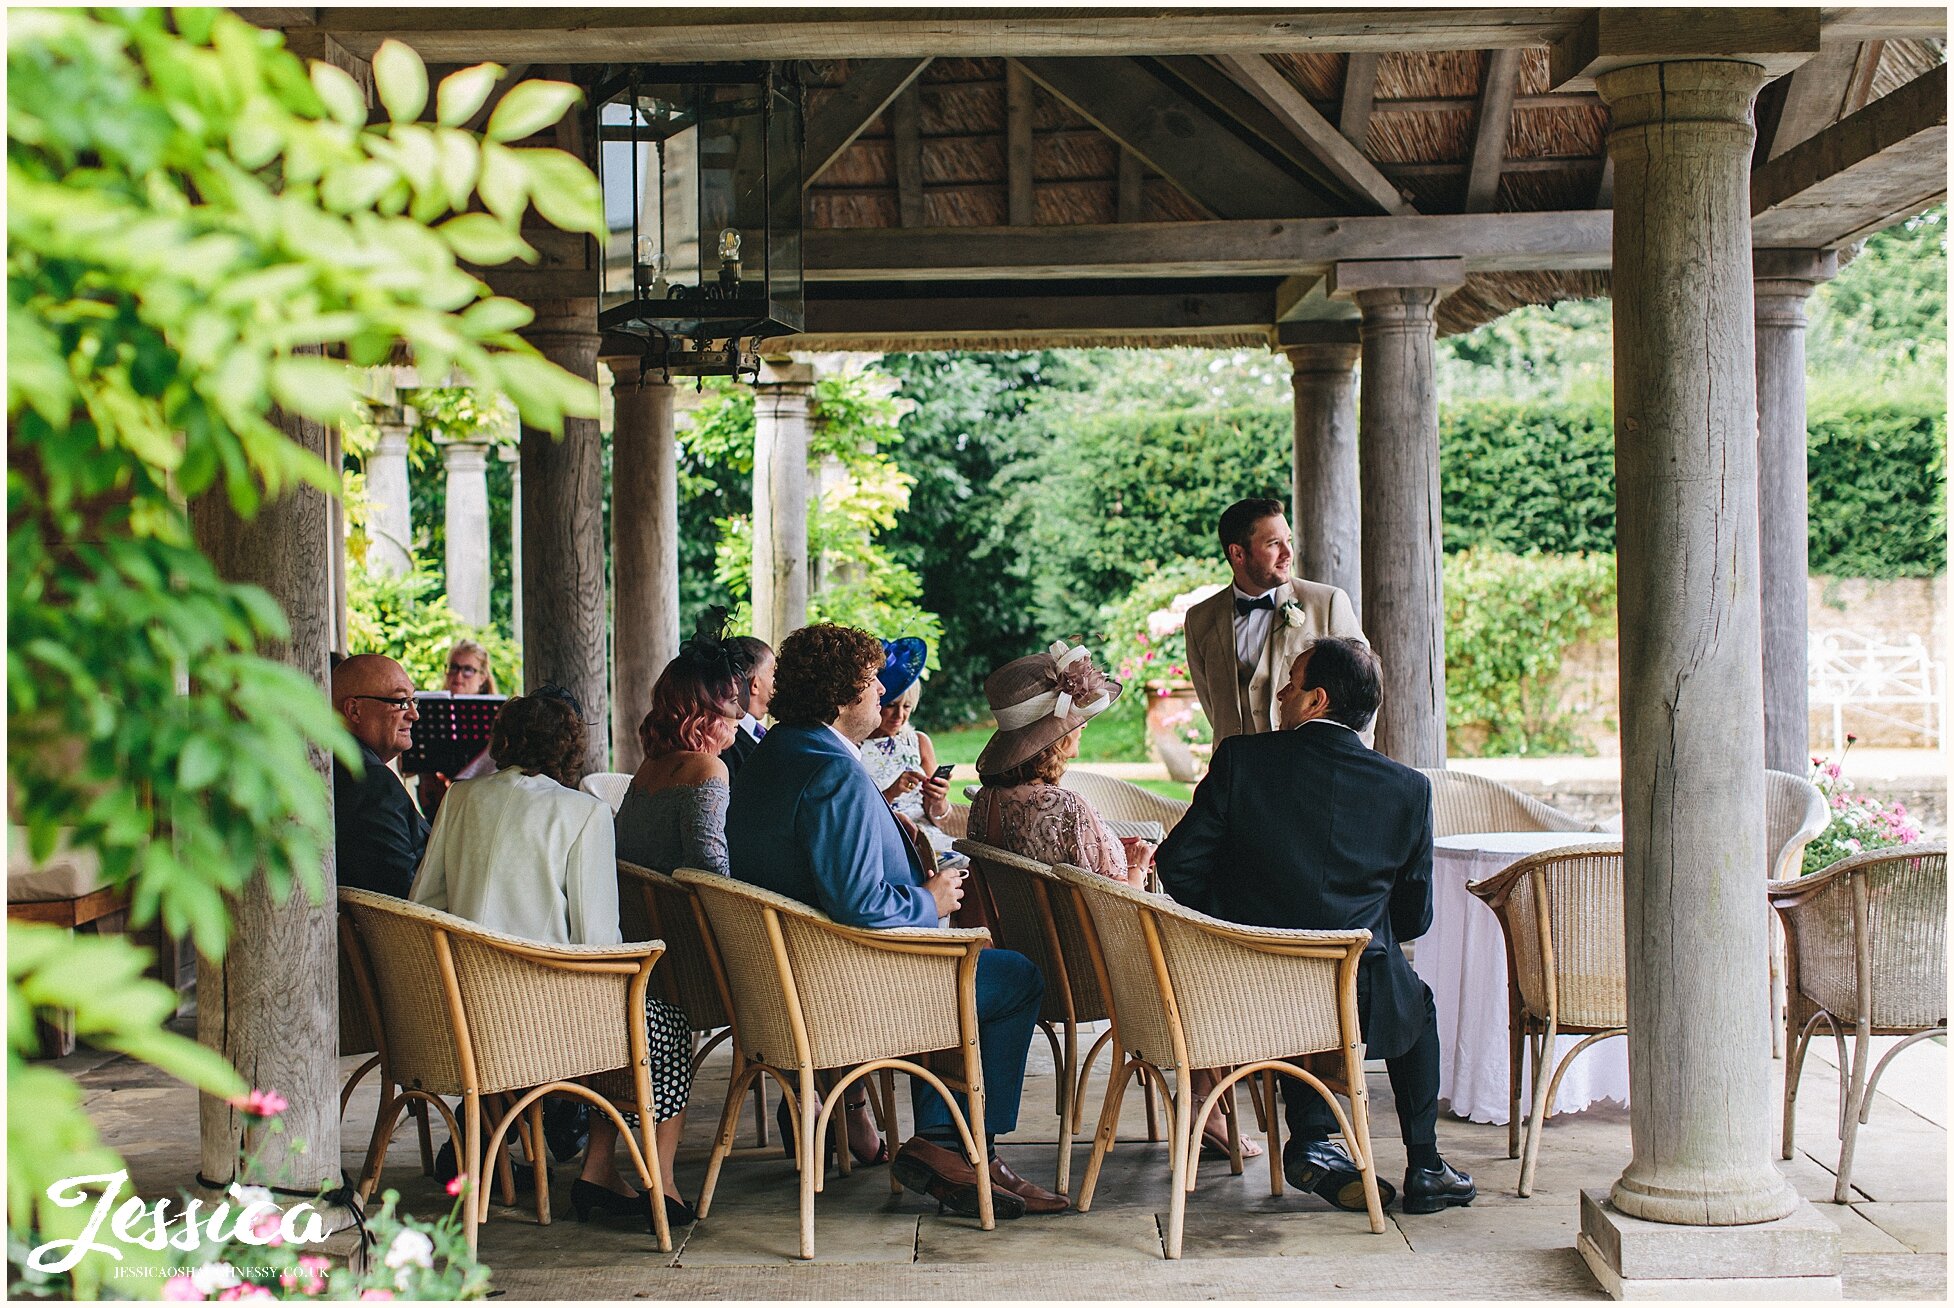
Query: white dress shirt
pixel 1252 628
pixel 523 855
pixel 751 726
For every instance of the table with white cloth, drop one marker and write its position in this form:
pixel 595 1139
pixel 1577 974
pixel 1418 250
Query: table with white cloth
pixel 1463 959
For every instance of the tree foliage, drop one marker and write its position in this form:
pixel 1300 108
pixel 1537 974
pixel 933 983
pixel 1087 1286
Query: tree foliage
pixel 192 214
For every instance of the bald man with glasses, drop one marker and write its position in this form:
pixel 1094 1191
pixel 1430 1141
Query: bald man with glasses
pixel 379 834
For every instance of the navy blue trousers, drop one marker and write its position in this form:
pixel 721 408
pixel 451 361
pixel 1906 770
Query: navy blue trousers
pixel 1009 989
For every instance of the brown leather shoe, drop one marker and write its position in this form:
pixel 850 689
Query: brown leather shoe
pixel 1038 1201
pixel 947 1177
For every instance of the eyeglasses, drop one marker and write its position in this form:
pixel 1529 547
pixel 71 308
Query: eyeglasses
pixel 457 669
pixel 400 702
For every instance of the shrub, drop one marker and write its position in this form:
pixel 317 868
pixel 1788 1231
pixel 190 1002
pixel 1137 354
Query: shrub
pixel 407 618
pixel 1509 622
pixel 1878 490
pixel 1143 634
pixel 1859 821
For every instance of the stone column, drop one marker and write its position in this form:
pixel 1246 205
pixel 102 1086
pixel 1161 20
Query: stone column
pixel 1403 596
pixel 271 1006
pixel 1692 698
pixel 563 628
pixel 644 550
pixel 512 456
pixel 780 476
pixel 390 509
pixel 466 463
pixel 1785 279
pixel 1327 512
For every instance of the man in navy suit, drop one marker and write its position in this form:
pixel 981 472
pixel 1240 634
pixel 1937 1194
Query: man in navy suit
pixel 806 821
pixel 1308 827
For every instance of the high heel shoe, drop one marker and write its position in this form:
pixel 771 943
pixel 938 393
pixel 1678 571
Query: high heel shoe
pixel 587 1198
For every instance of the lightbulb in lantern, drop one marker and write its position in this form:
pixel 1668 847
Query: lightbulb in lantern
pixel 729 257
pixel 652 266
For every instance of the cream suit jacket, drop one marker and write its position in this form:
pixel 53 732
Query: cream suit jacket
pixel 1239 703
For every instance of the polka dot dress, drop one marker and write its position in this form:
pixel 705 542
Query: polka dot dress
pixel 669 1041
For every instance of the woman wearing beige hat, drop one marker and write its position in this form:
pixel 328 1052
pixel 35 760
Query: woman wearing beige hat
pixel 1042 703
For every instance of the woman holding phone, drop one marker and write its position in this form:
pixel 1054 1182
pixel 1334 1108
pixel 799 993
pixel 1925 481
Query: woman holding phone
pixel 899 758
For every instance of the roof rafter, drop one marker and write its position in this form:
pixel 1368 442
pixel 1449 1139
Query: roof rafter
pixel 871 86
pixel 1279 95
pixel 1496 92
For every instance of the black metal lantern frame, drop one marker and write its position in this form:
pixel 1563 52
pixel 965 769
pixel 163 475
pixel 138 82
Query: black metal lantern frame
pixel 701 169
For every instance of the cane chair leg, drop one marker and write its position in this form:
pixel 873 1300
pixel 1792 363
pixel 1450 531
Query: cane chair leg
pixel 1360 1126
pixel 653 1168
pixel 539 1162
pixel 729 1117
pixel 470 1163
pixel 1065 1110
pixel 1153 1122
pixel 1516 1066
pixel 1255 1092
pixel 1537 1120
pixel 893 1128
pixel 1273 1126
pixel 810 1161
pixel 1796 1044
pixel 505 1172
pixel 1234 1133
pixel 1849 1122
pixel 427 1138
pixel 1083 1072
pixel 1182 1152
pixel 1058 1061
pixel 844 1160
pixel 1776 950
pixel 760 1111
pixel 1102 1136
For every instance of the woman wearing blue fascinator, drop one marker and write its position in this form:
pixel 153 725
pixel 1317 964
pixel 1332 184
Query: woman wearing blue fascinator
pixel 900 759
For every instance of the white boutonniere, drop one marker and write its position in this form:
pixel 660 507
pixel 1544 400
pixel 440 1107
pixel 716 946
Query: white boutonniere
pixel 1292 614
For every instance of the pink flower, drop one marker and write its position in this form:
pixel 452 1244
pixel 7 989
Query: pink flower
pixel 182 1287
pixel 376 1294
pixel 458 1184
pixel 261 1103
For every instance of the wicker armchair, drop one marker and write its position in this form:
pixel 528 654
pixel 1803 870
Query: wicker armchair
pixel 471 1012
pixel 955 823
pixel 1122 801
pixel 1867 949
pixel 1463 802
pixel 1561 913
pixel 1193 991
pixel 359 1035
pixel 1795 812
pixel 1038 917
pixel 607 786
pixel 808 993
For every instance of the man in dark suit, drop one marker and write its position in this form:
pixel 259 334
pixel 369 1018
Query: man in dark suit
pixel 754 662
pixel 379 836
pixel 1307 827
pixel 806 821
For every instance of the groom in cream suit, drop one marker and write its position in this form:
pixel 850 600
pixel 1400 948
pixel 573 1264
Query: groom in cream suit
pixel 1242 640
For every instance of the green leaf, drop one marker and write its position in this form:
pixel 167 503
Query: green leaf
pixel 564 191
pixel 504 184
pixel 316 387
pixel 496 314
pixel 400 78
pixel 344 99
pixel 462 93
pixel 460 160
pixel 529 107
pixel 480 239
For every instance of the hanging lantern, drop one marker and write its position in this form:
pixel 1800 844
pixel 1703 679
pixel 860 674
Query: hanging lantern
pixel 701 168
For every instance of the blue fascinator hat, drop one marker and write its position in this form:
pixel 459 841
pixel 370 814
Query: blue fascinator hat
pixel 902 664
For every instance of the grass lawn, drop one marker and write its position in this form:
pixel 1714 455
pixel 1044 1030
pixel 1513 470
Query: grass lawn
pixel 1116 736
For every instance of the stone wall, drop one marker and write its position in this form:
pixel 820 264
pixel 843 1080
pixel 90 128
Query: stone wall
pixel 1891 610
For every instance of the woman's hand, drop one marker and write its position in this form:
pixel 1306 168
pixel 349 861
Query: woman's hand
pixel 1139 853
pixel 902 785
pixel 936 797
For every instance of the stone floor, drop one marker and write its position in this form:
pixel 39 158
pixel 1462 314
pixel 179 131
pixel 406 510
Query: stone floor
pixel 1241 1243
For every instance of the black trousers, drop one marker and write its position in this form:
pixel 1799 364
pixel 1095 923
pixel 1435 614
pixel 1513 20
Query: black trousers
pixel 1414 1086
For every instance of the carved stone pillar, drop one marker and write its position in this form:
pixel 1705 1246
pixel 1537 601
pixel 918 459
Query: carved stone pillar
pixel 466 464
pixel 1328 509
pixel 780 477
pixel 644 550
pixel 390 510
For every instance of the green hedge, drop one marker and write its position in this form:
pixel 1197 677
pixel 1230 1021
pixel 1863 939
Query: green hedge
pixel 1879 491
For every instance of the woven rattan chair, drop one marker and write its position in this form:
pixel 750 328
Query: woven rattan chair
pixel 470 1012
pixel 807 993
pixel 607 786
pixel 359 1035
pixel 1122 801
pixel 1191 991
pixel 956 823
pixel 1463 802
pixel 1795 812
pixel 1561 913
pixel 1039 918
pixel 1867 950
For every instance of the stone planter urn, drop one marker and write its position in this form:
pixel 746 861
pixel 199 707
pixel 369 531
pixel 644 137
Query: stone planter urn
pixel 1171 706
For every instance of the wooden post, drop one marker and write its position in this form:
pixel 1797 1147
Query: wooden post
pixel 563 534
pixel 780 475
pixel 1327 512
pixel 1692 700
pixel 1785 279
pixel 271 1007
pixel 644 550
pixel 1403 605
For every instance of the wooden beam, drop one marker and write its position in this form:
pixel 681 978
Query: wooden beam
pixel 1204 80
pixel 1876 167
pixel 1552 163
pixel 1280 97
pixel 1177 138
pixel 926 311
pixel 1884 24
pixel 1777 40
pixel 1813 99
pixel 1604 190
pixel 1130 196
pixel 1359 96
pixel 672 34
pixel 1861 88
pixel 1021 203
pixel 906 131
pixel 1496 92
pixel 1506 242
pixel 872 84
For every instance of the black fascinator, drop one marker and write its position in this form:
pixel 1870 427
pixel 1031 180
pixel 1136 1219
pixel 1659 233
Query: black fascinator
pixel 707 650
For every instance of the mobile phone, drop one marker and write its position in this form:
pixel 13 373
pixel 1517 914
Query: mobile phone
pixel 943 771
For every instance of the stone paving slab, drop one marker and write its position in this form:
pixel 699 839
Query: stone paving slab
pixel 1920 1227
pixel 1102 1235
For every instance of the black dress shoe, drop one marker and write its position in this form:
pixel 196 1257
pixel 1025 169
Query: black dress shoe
pixel 1427 1190
pixel 1326 1171
pixel 566 1126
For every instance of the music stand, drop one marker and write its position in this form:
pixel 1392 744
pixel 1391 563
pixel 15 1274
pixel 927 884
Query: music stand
pixel 453 730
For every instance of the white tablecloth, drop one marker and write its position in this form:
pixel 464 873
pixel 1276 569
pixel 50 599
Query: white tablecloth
pixel 1463 959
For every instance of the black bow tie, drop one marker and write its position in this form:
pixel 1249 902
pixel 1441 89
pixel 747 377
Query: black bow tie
pixel 1245 607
